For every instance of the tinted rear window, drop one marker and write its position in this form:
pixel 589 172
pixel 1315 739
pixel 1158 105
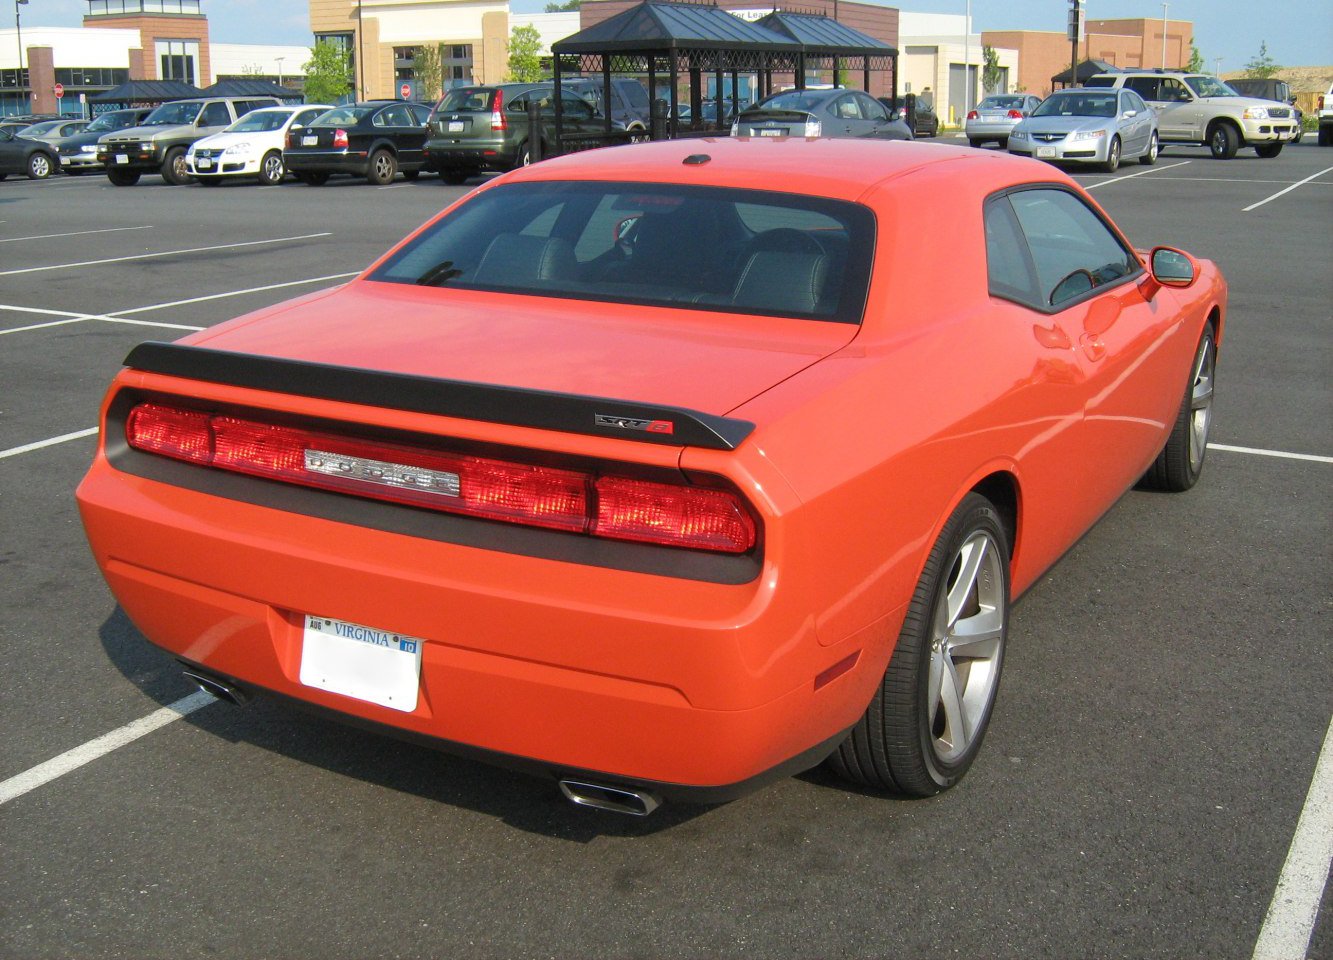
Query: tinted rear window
pixel 342 116
pixel 709 248
pixel 467 99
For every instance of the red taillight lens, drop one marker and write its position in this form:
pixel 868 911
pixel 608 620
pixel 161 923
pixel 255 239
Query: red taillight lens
pixel 972 115
pixel 1015 114
pixel 340 139
pixel 498 121
pixel 1321 101
pixel 572 500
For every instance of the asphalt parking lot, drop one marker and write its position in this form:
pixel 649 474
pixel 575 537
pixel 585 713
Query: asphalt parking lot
pixel 1149 786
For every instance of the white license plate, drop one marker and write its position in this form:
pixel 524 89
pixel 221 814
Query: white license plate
pixel 455 126
pixel 1046 153
pixel 204 163
pixel 377 666
pixel 771 133
pixel 122 158
pixel 309 141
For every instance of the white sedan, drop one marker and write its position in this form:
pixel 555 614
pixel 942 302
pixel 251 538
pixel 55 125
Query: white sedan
pixel 250 147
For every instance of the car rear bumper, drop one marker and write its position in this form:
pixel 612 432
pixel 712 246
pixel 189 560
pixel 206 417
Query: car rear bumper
pixel 470 154
pixel 987 128
pixel 326 161
pixel 638 677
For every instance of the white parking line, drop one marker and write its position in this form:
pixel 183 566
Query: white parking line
pixel 1259 452
pixel 164 253
pixel 71 317
pixel 76 233
pixel 28 447
pixel 18 785
pixel 1291 916
pixel 1141 173
pixel 1288 190
pixel 235 293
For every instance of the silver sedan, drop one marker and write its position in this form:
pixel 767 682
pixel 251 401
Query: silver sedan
pixel 996 116
pixel 1089 125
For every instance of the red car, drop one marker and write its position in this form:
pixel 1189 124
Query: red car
pixel 659 470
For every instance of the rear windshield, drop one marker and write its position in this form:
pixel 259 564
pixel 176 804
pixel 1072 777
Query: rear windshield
pixel 342 116
pixel 703 248
pixel 794 100
pixel 1001 103
pixel 467 99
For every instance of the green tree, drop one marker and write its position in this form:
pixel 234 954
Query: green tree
pixel 1196 59
pixel 525 47
pixel 991 74
pixel 563 7
pixel 428 68
pixel 328 73
pixel 1262 66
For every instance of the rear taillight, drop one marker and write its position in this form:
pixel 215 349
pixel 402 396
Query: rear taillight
pixel 972 115
pixel 498 121
pixel 290 141
pixel 1321 101
pixel 340 139
pixel 579 501
pixel 1015 114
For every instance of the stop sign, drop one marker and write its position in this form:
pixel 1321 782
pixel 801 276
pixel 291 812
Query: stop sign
pixel 59 90
pixel 405 91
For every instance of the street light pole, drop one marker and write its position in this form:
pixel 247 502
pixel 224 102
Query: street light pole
pixel 279 60
pixel 360 56
pixel 1164 6
pixel 967 59
pixel 18 29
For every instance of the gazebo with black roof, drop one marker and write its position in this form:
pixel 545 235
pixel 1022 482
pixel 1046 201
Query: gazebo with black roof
pixel 251 87
pixel 1086 70
pixel 665 39
pixel 148 92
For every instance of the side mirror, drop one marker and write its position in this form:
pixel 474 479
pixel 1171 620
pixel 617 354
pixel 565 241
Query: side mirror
pixel 1169 267
pixel 1130 114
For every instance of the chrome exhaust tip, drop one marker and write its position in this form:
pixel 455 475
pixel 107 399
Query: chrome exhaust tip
pixel 636 803
pixel 218 688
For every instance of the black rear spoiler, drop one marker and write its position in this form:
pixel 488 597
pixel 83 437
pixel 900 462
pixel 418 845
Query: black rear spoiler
pixel 566 412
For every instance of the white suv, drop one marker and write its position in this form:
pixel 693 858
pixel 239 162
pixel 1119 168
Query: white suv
pixel 1198 109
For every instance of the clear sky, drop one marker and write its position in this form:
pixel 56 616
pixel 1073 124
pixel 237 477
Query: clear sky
pixel 1298 32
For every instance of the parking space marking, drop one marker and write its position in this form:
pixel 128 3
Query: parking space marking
pixel 1141 173
pixel 151 323
pixel 43 773
pixel 29 447
pixel 1259 452
pixel 235 293
pixel 1298 183
pixel 1291 916
pixel 76 233
pixel 71 317
pixel 164 253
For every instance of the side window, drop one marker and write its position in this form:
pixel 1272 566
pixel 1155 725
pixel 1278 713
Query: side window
pixel 216 114
pixel 1072 249
pixel 395 116
pixel 845 108
pixel 517 105
pixel 1146 87
pixel 305 116
pixel 1008 262
pixel 872 109
pixel 576 107
pixel 420 114
pixel 1173 91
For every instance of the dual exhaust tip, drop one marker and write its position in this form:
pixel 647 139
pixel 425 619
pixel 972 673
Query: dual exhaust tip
pixel 599 796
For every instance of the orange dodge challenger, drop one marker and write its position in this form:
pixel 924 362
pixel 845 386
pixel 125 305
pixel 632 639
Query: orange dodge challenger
pixel 664 470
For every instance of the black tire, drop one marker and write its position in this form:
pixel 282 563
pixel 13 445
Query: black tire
pixel 905 743
pixel 1179 465
pixel 272 168
pixel 1003 143
pixel 1268 150
pixel 381 168
pixel 173 167
pixel 973 141
pixel 1112 163
pixel 1223 141
pixel 410 175
pixel 1325 135
pixel 40 165
pixel 3 175
pixel 313 178
pixel 1154 148
pixel 935 128
pixel 524 156
pixel 122 178
pixel 454 176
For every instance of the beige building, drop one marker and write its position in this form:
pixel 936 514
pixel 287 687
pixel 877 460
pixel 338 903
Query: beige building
pixel 381 36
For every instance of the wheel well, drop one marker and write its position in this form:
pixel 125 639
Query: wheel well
pixel 1001 489
pixel 1226 121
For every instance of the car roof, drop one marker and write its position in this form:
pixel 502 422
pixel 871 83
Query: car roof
pixel 820 166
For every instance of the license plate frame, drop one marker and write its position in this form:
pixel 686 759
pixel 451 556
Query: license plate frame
pixel 364 663
pixel 122 158
pixel 1046 153
pixel 455 126
pixel 204 163
pixel 310 141
pixel 771 131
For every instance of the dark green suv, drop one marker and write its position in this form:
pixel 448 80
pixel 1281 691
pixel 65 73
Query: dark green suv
pixel 486 128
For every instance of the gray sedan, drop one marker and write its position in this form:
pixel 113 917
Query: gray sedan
pixel 1089 125
pixel 820 113
pixel 996 116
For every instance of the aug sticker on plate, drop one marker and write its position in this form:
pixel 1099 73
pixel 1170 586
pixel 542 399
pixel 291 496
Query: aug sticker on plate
pixel 378 666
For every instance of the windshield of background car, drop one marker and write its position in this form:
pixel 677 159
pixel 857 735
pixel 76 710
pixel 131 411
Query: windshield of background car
pixel 342 117
pixel 699 248
pixel 1077 105
pixel 260 122
pixel 38 129
pixel 173 114
pixel 794 100
pixel 109 121
pixel 1209 87
pixel 466 100
pixel 1001 103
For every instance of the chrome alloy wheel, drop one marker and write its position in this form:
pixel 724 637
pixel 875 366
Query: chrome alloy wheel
pixel 273 168
pixel 40 167
pixel 967 637
pixel 384 167
pixel 1201 401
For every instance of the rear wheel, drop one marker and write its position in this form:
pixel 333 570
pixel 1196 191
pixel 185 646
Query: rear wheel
pixel 174 170
pixel 383 166
pixel 272 168
pixel 1178 466
pixel 1223 141
pixel 524 156
pixel 39 166
pixel 926 722
pixel 122 178
pixel 1112 163
pixel 1268 150
pixel 1149 158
